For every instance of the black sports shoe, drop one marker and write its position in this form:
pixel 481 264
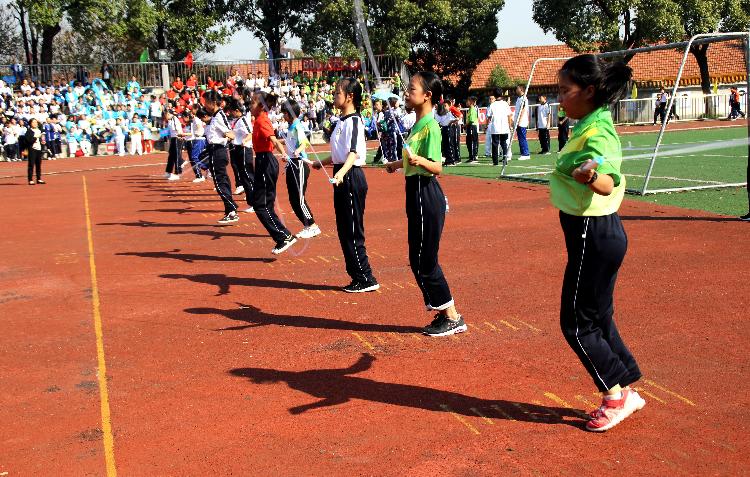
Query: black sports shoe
pixel 746 217
pixel 435 323
pixel 230 218
pixel 361 287
pixel 446 327
pixel 283 245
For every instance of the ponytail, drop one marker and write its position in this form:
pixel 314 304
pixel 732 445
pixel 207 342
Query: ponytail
pixel 609 79
pixel 353 87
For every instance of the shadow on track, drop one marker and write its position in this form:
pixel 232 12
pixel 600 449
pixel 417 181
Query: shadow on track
pixel 338 386
pixel 224 283
pixel 193 257
pixel 254 318
pixel 216 235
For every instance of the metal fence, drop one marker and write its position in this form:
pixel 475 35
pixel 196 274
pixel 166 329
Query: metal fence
pixel 155 75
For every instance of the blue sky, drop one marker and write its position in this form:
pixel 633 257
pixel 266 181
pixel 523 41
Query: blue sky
pixel 515 24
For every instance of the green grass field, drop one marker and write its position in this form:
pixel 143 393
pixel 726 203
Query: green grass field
pixel 699 157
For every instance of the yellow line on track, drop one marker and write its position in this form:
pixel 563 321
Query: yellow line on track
pixel 107 437
pixel 662 388
pixel 459 418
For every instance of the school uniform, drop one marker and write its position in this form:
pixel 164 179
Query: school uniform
pixel 542 126
pixel 242 157
pixel 596 244
pixel 455 130
pixel 425 213
pixel 521 121
pixel 447 136
pixel 349 197
pixel 297 173
pixel 218 159
pixel 195 143
pixel 472 133
pixel 266 175
pixel 498 114
pixel 174 158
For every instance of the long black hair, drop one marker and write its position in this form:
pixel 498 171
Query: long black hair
pixel 431 82
pixel 353 87
pixel 268 100
pixel 609 79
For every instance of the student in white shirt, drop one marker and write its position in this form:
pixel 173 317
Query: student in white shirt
pixel 119 135
pixel 136 137
pixel 521 120
pixel 500 117
pixel 10 139
pixel 488 131
pixel 297 170
pixel 543 116
pixel 174 157
pixel 241 154
pixel 195 142
pixel 218 155
pixel 348 153
pixel 445 119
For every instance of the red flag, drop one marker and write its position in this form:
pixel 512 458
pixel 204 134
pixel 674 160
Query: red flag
pixel 189 60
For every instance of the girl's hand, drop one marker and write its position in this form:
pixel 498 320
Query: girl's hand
pixel 583 176
pixel 392 167
pixel 316 165
pixel 339 177
pixel 229 134
pixel 415 160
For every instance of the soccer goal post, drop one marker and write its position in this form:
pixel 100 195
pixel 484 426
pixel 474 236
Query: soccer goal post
pixel 697 145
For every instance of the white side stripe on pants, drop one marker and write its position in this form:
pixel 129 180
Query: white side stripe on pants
pixel 575 299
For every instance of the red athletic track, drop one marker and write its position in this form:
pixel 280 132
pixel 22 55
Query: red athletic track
pixel 222 361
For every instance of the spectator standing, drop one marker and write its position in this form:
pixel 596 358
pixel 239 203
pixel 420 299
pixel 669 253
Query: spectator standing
pixel 488 132
pixel 472 130
pixel 107 74
pixel 500 117
pixel 544 116
pixel 34 139
pixel 522 122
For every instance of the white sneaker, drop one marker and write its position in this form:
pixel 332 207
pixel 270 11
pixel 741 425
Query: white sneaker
pixel 199 179
pixel 309 232
pixel 509 156
pixel 524 158
pixel 173 177
pixel 239 190
pixel 249 210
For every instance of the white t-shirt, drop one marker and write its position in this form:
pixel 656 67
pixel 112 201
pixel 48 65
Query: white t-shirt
pixel 409 119
pixel 349 136
pixel 219 125
pixel 542 117
pixel 241 128
pixel 444 119
pixel 523 122
pixel 498 113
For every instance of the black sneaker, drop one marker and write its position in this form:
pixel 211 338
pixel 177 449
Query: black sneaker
pixel 361 287
pixel 283 245
pixel 446 327
pixel 230 218
pixel 746 217
pixel 438 321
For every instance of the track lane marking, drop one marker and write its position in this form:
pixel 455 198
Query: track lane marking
pixel 101 373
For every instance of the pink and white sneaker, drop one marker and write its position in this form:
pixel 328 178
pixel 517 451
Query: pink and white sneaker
pixel 614 411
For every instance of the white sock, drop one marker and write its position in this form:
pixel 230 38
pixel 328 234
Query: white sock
pixel 614 397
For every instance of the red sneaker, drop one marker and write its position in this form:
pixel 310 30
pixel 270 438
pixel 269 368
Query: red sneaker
pixel 614 411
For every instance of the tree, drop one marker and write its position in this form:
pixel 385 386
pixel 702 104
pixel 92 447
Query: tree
pixel 448 37
pixel 10 41
pixel 706 16
pixel 499 78
pixel 608 25
pixel 271 21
